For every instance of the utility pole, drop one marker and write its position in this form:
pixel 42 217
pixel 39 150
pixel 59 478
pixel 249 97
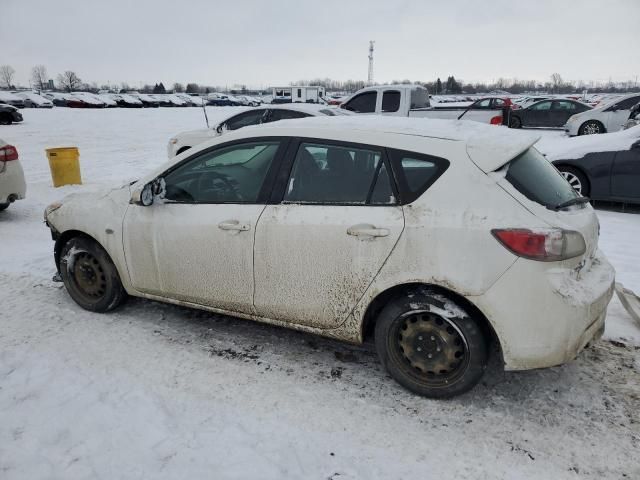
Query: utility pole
pixel 370 76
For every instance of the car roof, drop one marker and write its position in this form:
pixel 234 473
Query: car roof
pixel 489 146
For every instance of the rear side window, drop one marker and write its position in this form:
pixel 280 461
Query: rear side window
pixel 391 101
pixel 419 98
pixel 363 103
pixel 538 180
pixel 415 172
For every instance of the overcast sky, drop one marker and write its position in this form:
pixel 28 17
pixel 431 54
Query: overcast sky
pixel 262 43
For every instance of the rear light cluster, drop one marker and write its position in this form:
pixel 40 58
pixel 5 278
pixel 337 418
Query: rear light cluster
pixel 550 245
pixel 8 152
pixel 497 120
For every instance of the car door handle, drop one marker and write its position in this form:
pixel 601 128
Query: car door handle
pixel 233 225
pixel 366 230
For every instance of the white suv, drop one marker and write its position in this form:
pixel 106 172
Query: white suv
pixel 435 237
pixel 610 117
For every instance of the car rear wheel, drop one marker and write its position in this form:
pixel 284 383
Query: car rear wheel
pixel 515 122
pixel 576 179
pixel 90 276
pixel 592 127
pixel 430 344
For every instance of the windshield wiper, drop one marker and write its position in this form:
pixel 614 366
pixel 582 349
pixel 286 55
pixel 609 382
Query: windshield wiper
pixel 573 201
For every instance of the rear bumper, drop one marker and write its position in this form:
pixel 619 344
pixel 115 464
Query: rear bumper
pixel 12 182
pixel 545 315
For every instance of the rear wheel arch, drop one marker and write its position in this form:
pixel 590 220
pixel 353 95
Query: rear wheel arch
pixel 377 304
pixel 182 149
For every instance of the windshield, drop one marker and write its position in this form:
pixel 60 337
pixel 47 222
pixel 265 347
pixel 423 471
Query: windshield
pixel 538 180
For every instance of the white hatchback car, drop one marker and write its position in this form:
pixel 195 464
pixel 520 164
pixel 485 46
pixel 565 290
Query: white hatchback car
pixel 246 117
pixel 436 237
pixel 12 184
pixel 606 118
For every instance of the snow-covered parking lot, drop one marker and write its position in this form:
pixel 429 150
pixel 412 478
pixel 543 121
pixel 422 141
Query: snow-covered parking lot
pixel 158 391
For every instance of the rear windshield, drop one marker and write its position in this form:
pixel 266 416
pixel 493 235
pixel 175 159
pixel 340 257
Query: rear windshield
pixel 538 180
pixel 419 98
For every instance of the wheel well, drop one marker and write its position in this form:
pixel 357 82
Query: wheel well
pixel 182 149
pixel 64 238
pixel 378 303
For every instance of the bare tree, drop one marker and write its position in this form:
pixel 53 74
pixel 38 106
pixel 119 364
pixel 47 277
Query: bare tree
pixel 178 88
pixel 556 82
pixel 39 77
pixel 69 81
pixel 6 75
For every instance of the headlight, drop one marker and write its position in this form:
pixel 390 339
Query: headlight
pixel 51 208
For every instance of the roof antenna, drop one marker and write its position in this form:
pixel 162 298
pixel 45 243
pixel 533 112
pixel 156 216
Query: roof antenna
pixel 204 109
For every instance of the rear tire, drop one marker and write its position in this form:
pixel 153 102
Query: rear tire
pixel 576 179
pixel 430 344
pixel 90 276
pixel 515 122
pixel 592 127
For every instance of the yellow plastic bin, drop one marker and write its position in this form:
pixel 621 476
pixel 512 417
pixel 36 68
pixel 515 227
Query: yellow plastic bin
pixel 64 163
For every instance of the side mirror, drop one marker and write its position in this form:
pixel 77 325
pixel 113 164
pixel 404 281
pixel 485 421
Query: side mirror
pixel 146 195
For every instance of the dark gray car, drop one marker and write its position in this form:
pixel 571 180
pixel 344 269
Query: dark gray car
pixel 547 113
pixel 612 176
pixel 9 114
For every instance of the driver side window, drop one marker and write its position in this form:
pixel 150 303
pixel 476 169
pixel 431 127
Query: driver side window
pixel 234 174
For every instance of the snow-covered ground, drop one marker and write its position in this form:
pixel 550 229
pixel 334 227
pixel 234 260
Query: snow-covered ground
pixel 158 391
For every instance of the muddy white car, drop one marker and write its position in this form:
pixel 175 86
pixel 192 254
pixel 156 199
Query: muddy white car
pixel 436 238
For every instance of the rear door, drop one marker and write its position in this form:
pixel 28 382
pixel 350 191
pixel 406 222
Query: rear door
pixel 625 174
pixel 333 223
pixel 561 110
pixel 537 115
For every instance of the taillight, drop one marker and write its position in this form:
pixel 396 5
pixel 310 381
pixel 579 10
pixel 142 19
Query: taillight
pixel 8 152
pixel 497 120
pixel 549 245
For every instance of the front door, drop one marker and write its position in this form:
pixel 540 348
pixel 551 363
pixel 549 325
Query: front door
pixel 197 244
pixel 625 174
pixel 537 115
pixel 319 249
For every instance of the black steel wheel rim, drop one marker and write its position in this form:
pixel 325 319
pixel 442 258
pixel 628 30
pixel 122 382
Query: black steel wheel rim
pixel 89 276
pixel 429 348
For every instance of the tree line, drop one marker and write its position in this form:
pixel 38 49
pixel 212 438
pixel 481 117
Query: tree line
pixel 69 81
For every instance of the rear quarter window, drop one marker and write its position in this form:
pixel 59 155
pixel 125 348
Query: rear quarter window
pixel 415 172
pixel 538 180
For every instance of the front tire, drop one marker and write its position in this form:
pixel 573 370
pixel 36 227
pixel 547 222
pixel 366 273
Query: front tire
pixel 4 206
pixel 515 122
pixel 431 344
pixel 592 127
pixel 90 276
pixel 578 181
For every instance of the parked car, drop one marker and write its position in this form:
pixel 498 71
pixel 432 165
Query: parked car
pixel 64 100
pixel 9 114
pixel 350 227
pixel 546 113
pixel 89 99
pixel 602 167
pixel 222 100
pixel 246 117
pixel 413 101
pixel 107 99
pixel 11 99
pixel 122 100
pixel 148 101
pixel 609 117
pixel 12 184
pixel 523 102
pixel 246 100
pixel 33 100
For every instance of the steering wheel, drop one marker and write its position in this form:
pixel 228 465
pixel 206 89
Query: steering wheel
pixel 207 181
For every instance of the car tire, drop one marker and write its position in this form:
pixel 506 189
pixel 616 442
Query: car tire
pixel 6 119
pixel 90 276
pixel 591 127
pixel 578 180
pixel 431 344
pixel 4 206
pixel 515 122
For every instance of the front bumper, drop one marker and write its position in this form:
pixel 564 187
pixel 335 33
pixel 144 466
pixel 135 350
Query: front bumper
pixel 544 315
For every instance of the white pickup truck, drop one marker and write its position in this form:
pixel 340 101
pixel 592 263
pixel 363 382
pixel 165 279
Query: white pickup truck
pixel 413 101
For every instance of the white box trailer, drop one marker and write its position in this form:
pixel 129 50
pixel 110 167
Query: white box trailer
pixel 298 94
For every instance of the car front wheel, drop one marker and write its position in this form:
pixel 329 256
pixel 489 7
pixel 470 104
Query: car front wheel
pixel 515 122
pixel 430 344
pixel 90 276
pixel 592 127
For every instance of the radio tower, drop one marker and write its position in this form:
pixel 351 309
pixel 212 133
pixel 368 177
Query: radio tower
pixel 370 77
